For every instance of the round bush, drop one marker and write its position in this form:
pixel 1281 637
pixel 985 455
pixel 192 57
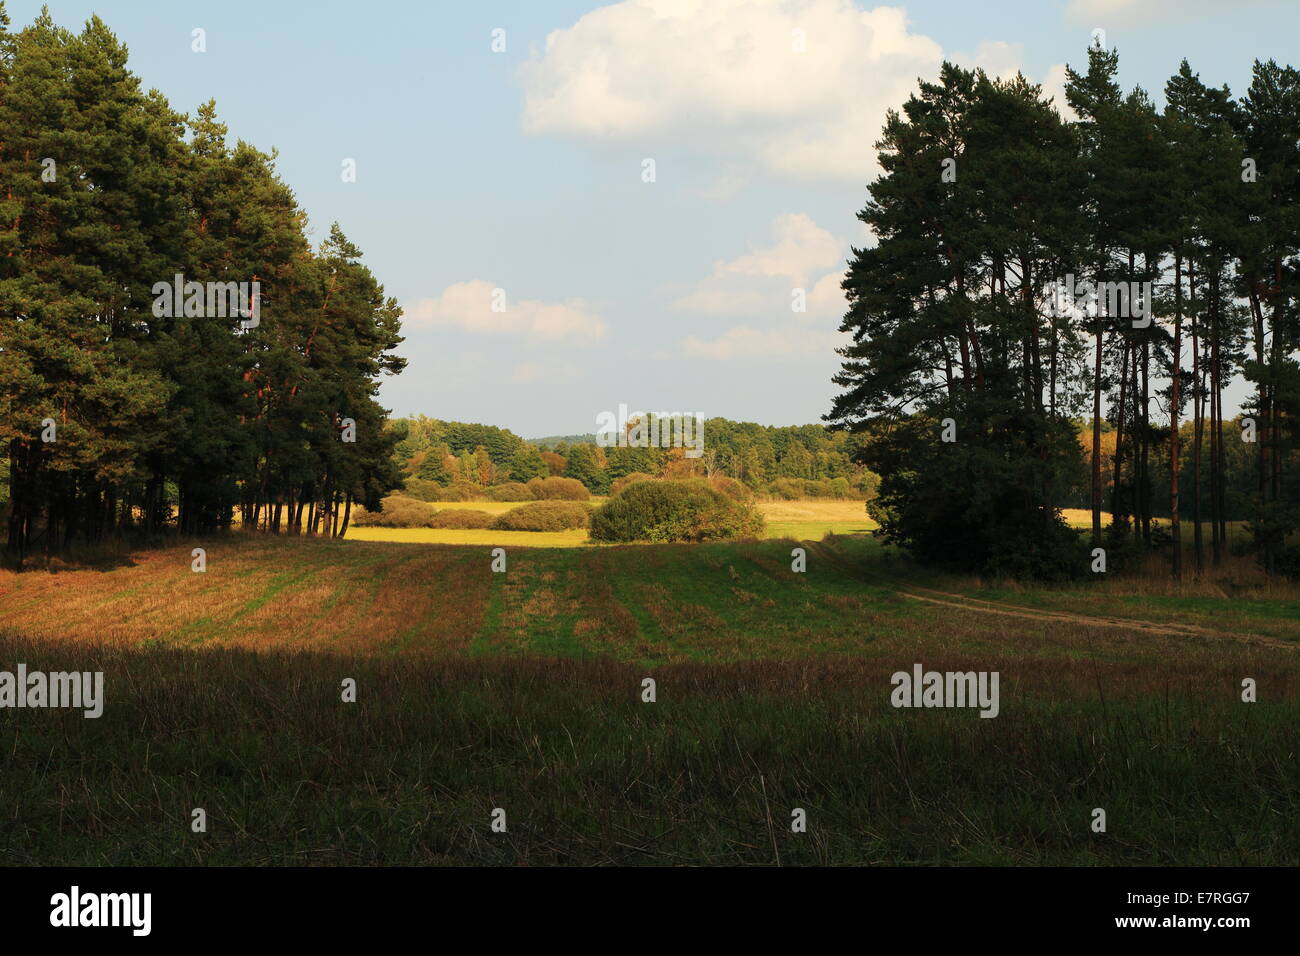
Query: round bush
pixel 461 491
pixel 545 516
pixel 559 489
pixel 789 489
pixel 621 483
pixel 510 491
pixel 690 510
pixel 398 512
pixel 731 488
pixel 462 518
pixel 422 490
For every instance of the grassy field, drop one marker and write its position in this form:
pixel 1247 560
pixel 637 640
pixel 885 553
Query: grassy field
pixel 521 690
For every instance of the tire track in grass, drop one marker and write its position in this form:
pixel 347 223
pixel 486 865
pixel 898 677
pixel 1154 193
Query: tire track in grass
pixel 277 584
pixel 245 566
pixel 649 634
pixel 326 623
pixel 449 610
pixel 917 592
pixel 535 605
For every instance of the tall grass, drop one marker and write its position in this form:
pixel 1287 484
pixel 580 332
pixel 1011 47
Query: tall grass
pixel 588 774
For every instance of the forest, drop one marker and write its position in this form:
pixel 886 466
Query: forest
pixel 970 373
pixel 114 418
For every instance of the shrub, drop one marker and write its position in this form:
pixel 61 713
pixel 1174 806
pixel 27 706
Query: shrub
pixel 461 491
pixel 545 516
pixel 510 491
pixel 621 483
pixel 422 490
pixel 398 511
pixel 689 510
pixel 840 488
pixel 558 489
pixel 731 488
pixel 462 518
pixel 789 489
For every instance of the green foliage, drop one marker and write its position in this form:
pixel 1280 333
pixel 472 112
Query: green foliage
pixel 545 516
pixel 527 464
pixel 731 488
pixel 422 490
pixel 582 465
pixel 169 421
pixel 396 511
pixel 687 510
pixel 462 518
pixel 982 503
pixel 510 491
pixel 460 491
pixel 567 489
pixel 428 442
pixel 620 483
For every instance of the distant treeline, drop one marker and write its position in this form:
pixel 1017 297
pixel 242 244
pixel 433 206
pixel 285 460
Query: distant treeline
pixel 124 407
pixel 793 461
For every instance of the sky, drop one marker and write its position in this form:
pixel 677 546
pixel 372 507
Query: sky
pixel 641 186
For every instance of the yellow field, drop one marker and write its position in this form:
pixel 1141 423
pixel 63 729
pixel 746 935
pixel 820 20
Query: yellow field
pixel 521 539
pixel 811 519
pixel 494 507
pixel 806 520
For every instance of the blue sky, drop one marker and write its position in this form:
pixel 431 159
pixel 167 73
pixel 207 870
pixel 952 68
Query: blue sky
pixel 523 170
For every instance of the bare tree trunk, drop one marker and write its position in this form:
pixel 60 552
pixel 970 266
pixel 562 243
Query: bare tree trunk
pixel 1174 403
pixel 1198 425
pixel 1096 443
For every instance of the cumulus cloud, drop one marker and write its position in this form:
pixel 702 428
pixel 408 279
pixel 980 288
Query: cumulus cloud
pixel 469 306
pixel 799 86
pixel 801 247
pixel 761 283
pixel 764 278
pixel 1054 86
pixel 826 297
pixel 802 84
pixel 995 57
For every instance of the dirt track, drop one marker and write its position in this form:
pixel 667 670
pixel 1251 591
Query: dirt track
pixel 979 605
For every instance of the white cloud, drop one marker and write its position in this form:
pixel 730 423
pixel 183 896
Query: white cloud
pixel 725 76
pixel 1054 86
pixel 764 278
pixel 827 298
pixel 995 57
pixel 761 283
pixel 801 247
pixel 468 306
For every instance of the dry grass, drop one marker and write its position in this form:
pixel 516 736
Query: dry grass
pixel 522 690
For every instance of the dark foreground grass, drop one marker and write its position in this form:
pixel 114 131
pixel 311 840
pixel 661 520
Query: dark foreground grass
pixel 588 774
